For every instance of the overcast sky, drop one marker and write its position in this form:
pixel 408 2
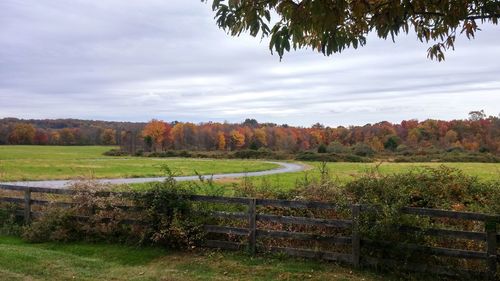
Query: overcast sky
pixel 166 59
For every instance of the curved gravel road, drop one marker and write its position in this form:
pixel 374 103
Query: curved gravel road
pixel 284 168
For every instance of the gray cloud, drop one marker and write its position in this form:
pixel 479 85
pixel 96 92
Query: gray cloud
pixel 137 60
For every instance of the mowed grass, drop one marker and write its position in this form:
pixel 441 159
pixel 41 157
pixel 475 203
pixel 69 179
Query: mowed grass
pixel 83 261
pixel 344 172
pixel 69 162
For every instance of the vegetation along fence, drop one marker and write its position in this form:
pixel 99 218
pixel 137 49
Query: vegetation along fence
pixel 327 231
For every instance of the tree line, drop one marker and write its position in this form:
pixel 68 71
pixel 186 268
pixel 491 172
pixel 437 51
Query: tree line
pixel 63 131
pixel 477 133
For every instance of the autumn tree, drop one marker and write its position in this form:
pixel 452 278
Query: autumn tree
pixel 479 133
pixel 190 135
pixel 167 136
pixel 392 142
pixel 221 141
pixel 22 134
pixel 237 140
pixel 178 136
pixel 41 137
pixel 477 115
pixel 451 137
pixel 333 26
pixel 376 144
pixel 108 137
pixel 260 137
pixel 55 138
pixel 155 131
pixel 66 136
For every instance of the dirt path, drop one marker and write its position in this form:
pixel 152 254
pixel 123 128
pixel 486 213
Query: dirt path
pixel 284 168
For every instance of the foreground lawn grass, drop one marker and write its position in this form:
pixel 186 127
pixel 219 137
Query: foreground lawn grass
pixel 70 162
pixel 83 261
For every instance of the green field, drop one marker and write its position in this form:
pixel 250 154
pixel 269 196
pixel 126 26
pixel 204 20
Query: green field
pixel 344 172
pixel 69 162
pixel 83 261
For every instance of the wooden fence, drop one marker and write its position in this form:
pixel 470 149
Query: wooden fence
pixel 356 250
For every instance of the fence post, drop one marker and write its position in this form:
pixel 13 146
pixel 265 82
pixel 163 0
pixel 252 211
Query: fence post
pixel 356 240
pixel 27 205
pixel 491 251
pixel 252 225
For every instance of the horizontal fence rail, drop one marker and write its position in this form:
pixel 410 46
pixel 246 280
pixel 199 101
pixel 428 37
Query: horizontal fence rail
pixel 346 231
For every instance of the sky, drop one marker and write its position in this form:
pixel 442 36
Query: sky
pixel 166 59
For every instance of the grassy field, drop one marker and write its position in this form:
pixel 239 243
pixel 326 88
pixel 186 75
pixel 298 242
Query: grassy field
pixel 344 172
pixel 82 261
pixel 69 162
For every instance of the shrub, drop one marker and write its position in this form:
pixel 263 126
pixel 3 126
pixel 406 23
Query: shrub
pixel 56 224
pixel 321 148
pixel 336 147
pixel 170 219
pixel 9 222
pixel 362 149
pixel 92 200
pixel 116 152
pixel 330 157
pixel 438 188
pixel 392 143
pixel 261 153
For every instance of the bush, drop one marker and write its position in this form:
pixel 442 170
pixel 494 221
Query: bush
pixel 261 153
pixel 336 147
pixel 170 219
pixel 10 224
pixel 392 143
pixel 362 149
pixel 442 188
pixel 92 217
pixel 116 152
pixel 55 224
pixel 330 157
pixel 321 148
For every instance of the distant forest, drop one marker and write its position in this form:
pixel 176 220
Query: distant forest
pixel 478 133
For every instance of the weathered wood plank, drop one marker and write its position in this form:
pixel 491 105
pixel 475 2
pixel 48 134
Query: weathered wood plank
pixel 450 214
pixel 223 245
pixel 27 206
pixel 339 240
pixel 13 187
pixel 229 215
pixel 478 236
pixel 226 230
pixel 356 238
pixel 252 225
pixel 70 204
pixel 305 221
pixel 38 189
pixel 11 200
pixel 52 190
pixel 491 248
pixel 37 214
pixel 304 253
pixel 52 203
pixel 296 204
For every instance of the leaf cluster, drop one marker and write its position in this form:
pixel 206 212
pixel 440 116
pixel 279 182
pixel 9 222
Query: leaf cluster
pixel 329 26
